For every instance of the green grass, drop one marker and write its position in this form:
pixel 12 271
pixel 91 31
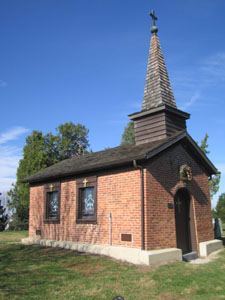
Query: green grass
pixel 33 272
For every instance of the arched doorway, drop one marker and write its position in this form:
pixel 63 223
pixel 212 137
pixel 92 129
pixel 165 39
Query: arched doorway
pixel 182 220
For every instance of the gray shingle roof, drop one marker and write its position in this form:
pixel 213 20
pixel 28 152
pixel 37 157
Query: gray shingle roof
pixel 98 160
pixel 115 157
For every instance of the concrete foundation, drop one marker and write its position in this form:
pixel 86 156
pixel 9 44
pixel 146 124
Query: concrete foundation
pixel 206 248
pixel 131 255
pixel 156 257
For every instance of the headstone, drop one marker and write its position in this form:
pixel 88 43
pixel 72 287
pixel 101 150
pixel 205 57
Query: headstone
pixel 218 228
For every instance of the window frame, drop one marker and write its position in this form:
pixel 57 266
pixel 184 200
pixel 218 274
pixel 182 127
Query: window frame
pixel 49 188
pixel 91 183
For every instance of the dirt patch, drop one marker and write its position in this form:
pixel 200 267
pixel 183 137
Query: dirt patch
pixel 14 243
pixel 84 268
pixel 146 283
pixel 218 288
pixel 167 296
pixel 205 260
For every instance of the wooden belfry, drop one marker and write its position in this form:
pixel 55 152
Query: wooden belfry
pixel 159 117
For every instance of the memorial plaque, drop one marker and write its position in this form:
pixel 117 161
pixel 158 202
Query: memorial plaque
pixel 125 237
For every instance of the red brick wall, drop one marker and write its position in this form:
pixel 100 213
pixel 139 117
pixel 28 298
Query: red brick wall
pixel 118 193
pixel 162 183
pixel 159 220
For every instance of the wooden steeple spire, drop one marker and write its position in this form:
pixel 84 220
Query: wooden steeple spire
pixel 159 117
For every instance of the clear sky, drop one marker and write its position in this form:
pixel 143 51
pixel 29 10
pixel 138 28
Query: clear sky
pixel 85 61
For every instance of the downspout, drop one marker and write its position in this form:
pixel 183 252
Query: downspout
pixel 142 204
pixel 110 229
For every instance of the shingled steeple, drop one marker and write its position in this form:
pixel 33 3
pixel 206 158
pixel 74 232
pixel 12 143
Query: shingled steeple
pixel 159 117
pixel 158 89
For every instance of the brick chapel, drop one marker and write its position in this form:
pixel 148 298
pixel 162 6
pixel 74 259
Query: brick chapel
pixel 145 203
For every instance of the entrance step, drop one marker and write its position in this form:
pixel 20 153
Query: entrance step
pixel 190 256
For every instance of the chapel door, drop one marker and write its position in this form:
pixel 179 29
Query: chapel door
pixel 182 207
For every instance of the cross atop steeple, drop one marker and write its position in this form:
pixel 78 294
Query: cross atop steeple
pixel 152 14
pixel 154 29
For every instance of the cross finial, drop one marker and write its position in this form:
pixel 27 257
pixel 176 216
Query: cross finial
pixel 154 18
pixel 154 29
pixel 85 182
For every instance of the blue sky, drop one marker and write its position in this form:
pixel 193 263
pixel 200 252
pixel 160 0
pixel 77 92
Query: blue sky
pixel 85 61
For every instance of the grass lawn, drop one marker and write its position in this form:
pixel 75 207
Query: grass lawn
pixel 32 272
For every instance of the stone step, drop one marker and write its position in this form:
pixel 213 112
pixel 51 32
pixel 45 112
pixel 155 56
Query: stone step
pixel 190 256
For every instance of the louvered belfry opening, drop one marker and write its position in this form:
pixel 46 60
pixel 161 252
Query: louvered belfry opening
pixel 159 117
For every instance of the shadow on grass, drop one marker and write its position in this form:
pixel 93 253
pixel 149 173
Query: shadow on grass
pixel 30 268
pixel 34 254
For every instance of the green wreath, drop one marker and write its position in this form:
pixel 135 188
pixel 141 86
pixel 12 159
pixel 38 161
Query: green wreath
pixel 185 173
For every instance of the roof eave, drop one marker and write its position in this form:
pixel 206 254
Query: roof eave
pixel 157 109
pixel 113 165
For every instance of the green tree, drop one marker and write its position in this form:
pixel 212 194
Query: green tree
pixel 214 183
pixel 128 137
pixel 71 140
pixel 220 207
pixel 204 144
pixel 3 218
pixel 42 151
pixel 214 213
pixel 34 159
pixel 215 179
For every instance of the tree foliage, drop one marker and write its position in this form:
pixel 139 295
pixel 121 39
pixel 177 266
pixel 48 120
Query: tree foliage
pixel 41 151
pixel 71 140
pixel 215 179
pixel 204 144
pixel 3 218
pixel 214 184
pixel 220 207
pixel 214 213
pixel 128 137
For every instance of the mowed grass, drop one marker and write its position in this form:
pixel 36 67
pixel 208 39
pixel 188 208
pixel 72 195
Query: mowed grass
pixel 33 272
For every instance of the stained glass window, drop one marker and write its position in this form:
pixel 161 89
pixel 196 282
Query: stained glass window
pixel 86 210
pixel 53 204
pixel 88 202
